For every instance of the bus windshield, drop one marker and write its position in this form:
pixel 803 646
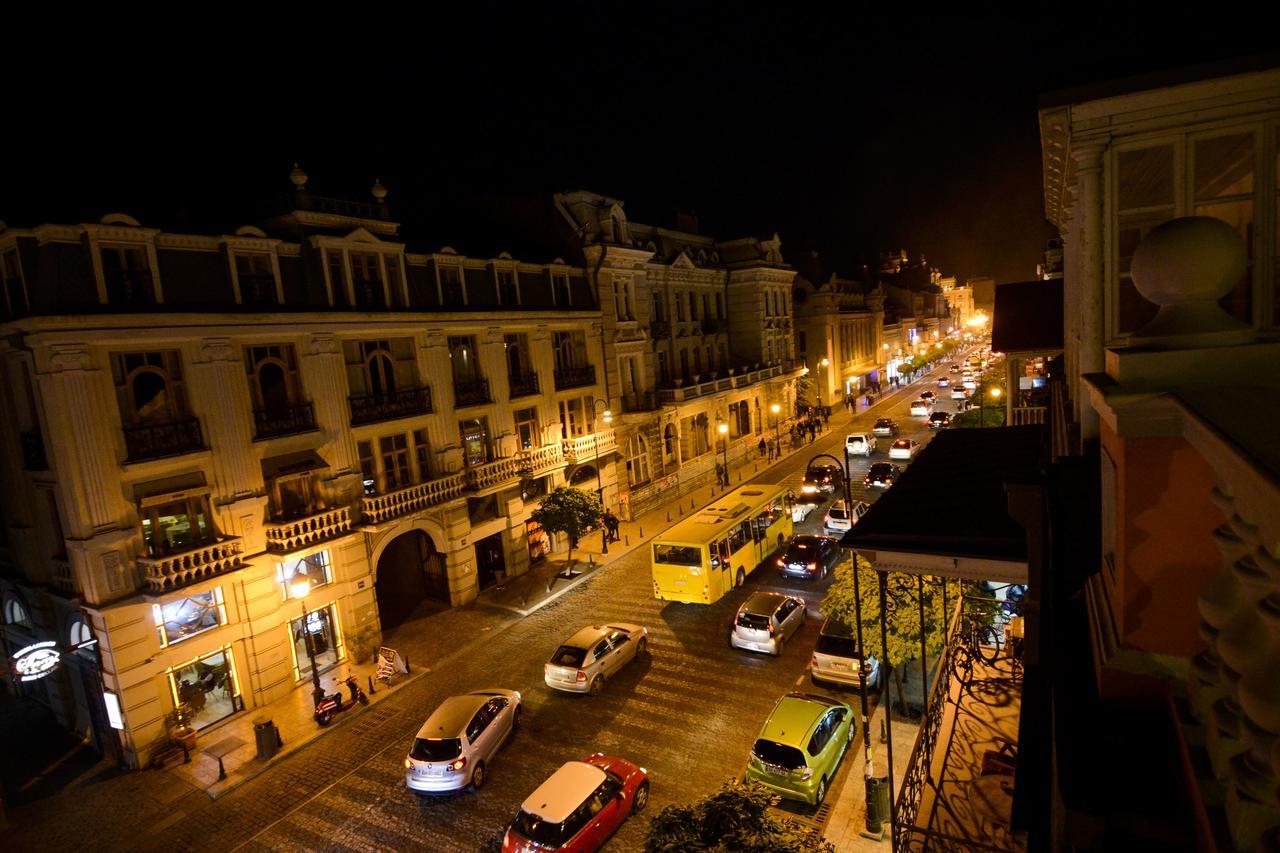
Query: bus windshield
pixel 677 555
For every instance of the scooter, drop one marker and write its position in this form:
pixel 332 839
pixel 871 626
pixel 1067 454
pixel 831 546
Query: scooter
pixel 331 705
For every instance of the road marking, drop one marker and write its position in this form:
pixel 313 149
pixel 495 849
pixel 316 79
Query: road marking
pixel 799 678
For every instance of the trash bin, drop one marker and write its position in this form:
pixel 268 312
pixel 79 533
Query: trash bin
pixel 264 732
pixel 877 803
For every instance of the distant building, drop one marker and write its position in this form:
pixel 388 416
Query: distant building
pixel 1051 265
pixel 983 289
pixel 840 320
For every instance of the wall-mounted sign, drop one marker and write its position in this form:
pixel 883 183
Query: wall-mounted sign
pixel 37 660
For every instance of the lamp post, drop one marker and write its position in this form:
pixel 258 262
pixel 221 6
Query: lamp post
pixel 595 447
pixel 824 363
pixel 723 429
pixel 868 767
pixel 299 587
pixel 982 405
pixel 776 409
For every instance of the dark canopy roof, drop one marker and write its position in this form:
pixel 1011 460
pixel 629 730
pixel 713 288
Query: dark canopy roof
pixel 1028 317
pixel 951 500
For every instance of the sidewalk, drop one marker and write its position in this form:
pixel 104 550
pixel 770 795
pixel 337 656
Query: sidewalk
pixel 849 816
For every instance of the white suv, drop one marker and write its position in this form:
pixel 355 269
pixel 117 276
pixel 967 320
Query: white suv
pixel 859 444
pixel 456 743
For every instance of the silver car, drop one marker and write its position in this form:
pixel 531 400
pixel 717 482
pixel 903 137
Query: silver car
pixel 594 655
pixel 766 621
pixel 836 659
pixel 455 745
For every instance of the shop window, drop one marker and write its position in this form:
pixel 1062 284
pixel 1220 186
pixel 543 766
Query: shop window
pixel 322 635
pixel 186 617
pixel 318 568
pixel 209 686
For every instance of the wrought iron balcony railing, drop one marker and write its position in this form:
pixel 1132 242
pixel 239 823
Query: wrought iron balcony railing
pixel 372 408
pixel 523 386
pixel 575 377
pixel 157 440
pixel 283 421
pixel 471 392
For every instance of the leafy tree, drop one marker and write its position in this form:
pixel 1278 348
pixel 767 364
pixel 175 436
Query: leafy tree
pixel 570 511
pixel 902 599
pixel 735 818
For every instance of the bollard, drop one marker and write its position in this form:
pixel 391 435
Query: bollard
pixel 884 735
pixel 591 560
pixel 626 541
pixel 406 665
pixel 279 740
pixel 371 690
pixel 641 532
pixel 668 516
pixel 222 771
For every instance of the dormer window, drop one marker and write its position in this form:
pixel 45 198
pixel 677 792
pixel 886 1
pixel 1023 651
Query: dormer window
pixel 508 293
pixel 366 275
pixel 451 290
pixel 560 289
pixel 337 268
pixel 256 279
pixel 126 272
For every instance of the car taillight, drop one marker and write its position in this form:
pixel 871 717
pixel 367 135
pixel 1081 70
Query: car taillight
pixel 408 765
pixel 781 562
pixel 771 630
pixel 813 567
pixel 458 764
pixel 582 676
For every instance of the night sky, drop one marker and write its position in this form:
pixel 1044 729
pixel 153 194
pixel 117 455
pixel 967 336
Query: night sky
pixel 846 133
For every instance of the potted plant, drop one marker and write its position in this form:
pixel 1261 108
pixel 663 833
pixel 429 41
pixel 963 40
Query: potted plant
pixel 180 729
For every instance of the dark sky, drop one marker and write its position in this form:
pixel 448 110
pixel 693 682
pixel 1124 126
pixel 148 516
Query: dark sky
pixel 845 132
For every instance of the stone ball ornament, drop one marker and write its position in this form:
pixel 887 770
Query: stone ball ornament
pixel 1185 266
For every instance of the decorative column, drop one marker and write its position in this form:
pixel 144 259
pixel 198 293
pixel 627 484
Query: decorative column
pixel 324 379
pixel 1091 289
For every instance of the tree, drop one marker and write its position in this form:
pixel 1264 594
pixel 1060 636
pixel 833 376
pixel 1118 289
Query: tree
pixel 735 818
pixel 902 598
pixel 570 511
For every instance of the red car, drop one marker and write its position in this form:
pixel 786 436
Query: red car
pixel 579 807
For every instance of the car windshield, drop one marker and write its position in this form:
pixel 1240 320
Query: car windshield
pixel 569 656
pixel 880 469
pixel 884 422
pixel 841 647
pixel 429 749
pixel 538 830
pixel 835 512
pixel 771 752
pixel 753 620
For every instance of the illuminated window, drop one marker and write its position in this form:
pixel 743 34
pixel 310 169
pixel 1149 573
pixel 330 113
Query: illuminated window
pixel 186 617
pixel 16 614
pixel 318 566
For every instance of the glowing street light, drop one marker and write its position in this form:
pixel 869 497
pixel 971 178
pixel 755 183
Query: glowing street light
pixel 776 409
pixel 724 446
pixel 982 411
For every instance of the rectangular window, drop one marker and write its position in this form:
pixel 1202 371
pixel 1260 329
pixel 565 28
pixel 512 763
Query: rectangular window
pixel 395 283
pixel 560 294
pixel 693 306
pixel 679 308
pixel 208 686
pixel 366 278
pixel 318 568
pixel 394 450
pixel 451 289
pixel 527 428
pixel 180 523
pixel 14 298
pixel 256 279
pixel 658 313
pixel 1144 199
pixel 184 618
pixel 508 294
pixel 1223 189
pixel 422 454
pixel 664 370
pixel 368 467
pixel 337 277
pixel 572 419
pixel 126 273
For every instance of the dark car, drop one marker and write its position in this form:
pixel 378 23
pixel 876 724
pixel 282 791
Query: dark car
pixel 885 427
pixel 926 395
pixel 821 478
pixel 809 557
pixel 939 420
pixel 882 475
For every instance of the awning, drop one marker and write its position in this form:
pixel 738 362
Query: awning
pixel 292 463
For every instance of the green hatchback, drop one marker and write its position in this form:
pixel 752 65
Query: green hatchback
pixel 800 746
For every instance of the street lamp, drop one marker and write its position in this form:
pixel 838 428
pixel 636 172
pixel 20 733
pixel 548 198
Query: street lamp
pixel 777 441
pixel 595 446
pixel 299 587
pixel 824 363
pixel 982 410
pixel 868 768
pixel 724 446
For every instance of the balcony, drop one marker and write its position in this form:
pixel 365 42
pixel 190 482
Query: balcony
pixel 471 392
pixel 712 326
pixel 575 377
pixel 33 458
pixel 1029 415
pixel 589 447
pixel 379 508
pixel 286 420
pixel 372 408
pixel 645 401
pixel 714 386
pixel 523 386
pixel 174 571
pixel 157 440
pixel 285 536
pixel 659 330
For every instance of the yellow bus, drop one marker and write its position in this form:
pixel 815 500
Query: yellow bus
pixel 703 557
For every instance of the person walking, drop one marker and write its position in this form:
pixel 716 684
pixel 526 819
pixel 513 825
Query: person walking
pixel 761 446
pixel 611 525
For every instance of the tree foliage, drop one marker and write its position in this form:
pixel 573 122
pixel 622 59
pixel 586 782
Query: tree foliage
pixel 735 818
pixel 570 511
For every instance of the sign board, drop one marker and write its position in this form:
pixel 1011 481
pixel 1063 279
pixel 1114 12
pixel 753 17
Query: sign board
pixel 391 657
pixel 37 660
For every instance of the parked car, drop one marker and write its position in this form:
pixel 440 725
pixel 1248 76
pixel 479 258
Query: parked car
pixel 939 420
pixel 882 475
pixel 927 395
pixel 766 621
pixel 944 382
pixel 809 556
pixel 959 393
pixel 839 518
pixel 800 747
pixel 592 656
pixel 579 807
pixel 955 368
pixel 885 428
pixel 903 448
pixel 970 384
pixel 823 477
pixel 801 509
pixel 920 408
pixel 836 659
pixel 453 748
pixel 859 444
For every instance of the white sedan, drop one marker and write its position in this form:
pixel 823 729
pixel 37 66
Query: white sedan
pixel 944 382
pixel 903 448
pixel 920 408
pixel 958 393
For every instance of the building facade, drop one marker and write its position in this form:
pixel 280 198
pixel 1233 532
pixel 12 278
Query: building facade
pixel 191 420
pixel 839 336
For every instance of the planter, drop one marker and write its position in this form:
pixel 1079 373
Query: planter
pixel 183 736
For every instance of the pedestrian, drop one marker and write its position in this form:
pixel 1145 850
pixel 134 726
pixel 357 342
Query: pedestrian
pixel 826 415
pixel 611 525
pixel 761 447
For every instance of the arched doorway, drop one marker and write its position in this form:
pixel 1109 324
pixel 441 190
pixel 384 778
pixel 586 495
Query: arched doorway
pixel 410 571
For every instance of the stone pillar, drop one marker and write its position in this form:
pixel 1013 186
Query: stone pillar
pixel 1091 290
pixel 219 397
pixel 324 379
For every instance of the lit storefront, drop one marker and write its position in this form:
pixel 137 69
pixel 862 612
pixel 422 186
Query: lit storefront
pixel 208 685
pixel 321 630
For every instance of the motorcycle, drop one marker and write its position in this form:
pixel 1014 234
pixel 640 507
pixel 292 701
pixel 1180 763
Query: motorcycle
pixel 331 705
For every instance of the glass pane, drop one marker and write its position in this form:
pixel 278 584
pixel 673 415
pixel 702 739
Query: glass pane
pixel 1239 215
pixel 189 616
pixel 1224 166
pixel 207 687
pixel 1145 177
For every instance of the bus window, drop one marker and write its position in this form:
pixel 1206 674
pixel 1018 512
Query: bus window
pixel 737 537
pixel 677 555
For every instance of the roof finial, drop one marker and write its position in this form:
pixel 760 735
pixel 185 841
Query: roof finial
pixel 298 177
pixel 378 190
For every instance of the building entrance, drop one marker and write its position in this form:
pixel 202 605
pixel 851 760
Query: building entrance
pixel 490 564
pixel 410 571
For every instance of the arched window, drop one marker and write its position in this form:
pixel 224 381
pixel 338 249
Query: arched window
pixel 149 385
pixel 16 614
pixel 272 376
pixel 669 444
pixel 515 358
pixel 637 460
pixel 380 371
pixel 79 633
pixel 582 474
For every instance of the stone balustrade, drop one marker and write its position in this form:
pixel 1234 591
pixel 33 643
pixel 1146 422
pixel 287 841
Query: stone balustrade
pixel 1029 415
pixel 587 447
pixel 379 508
pixel 714 386
pixel 174 571
pixel 290 535
pixel 543 458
